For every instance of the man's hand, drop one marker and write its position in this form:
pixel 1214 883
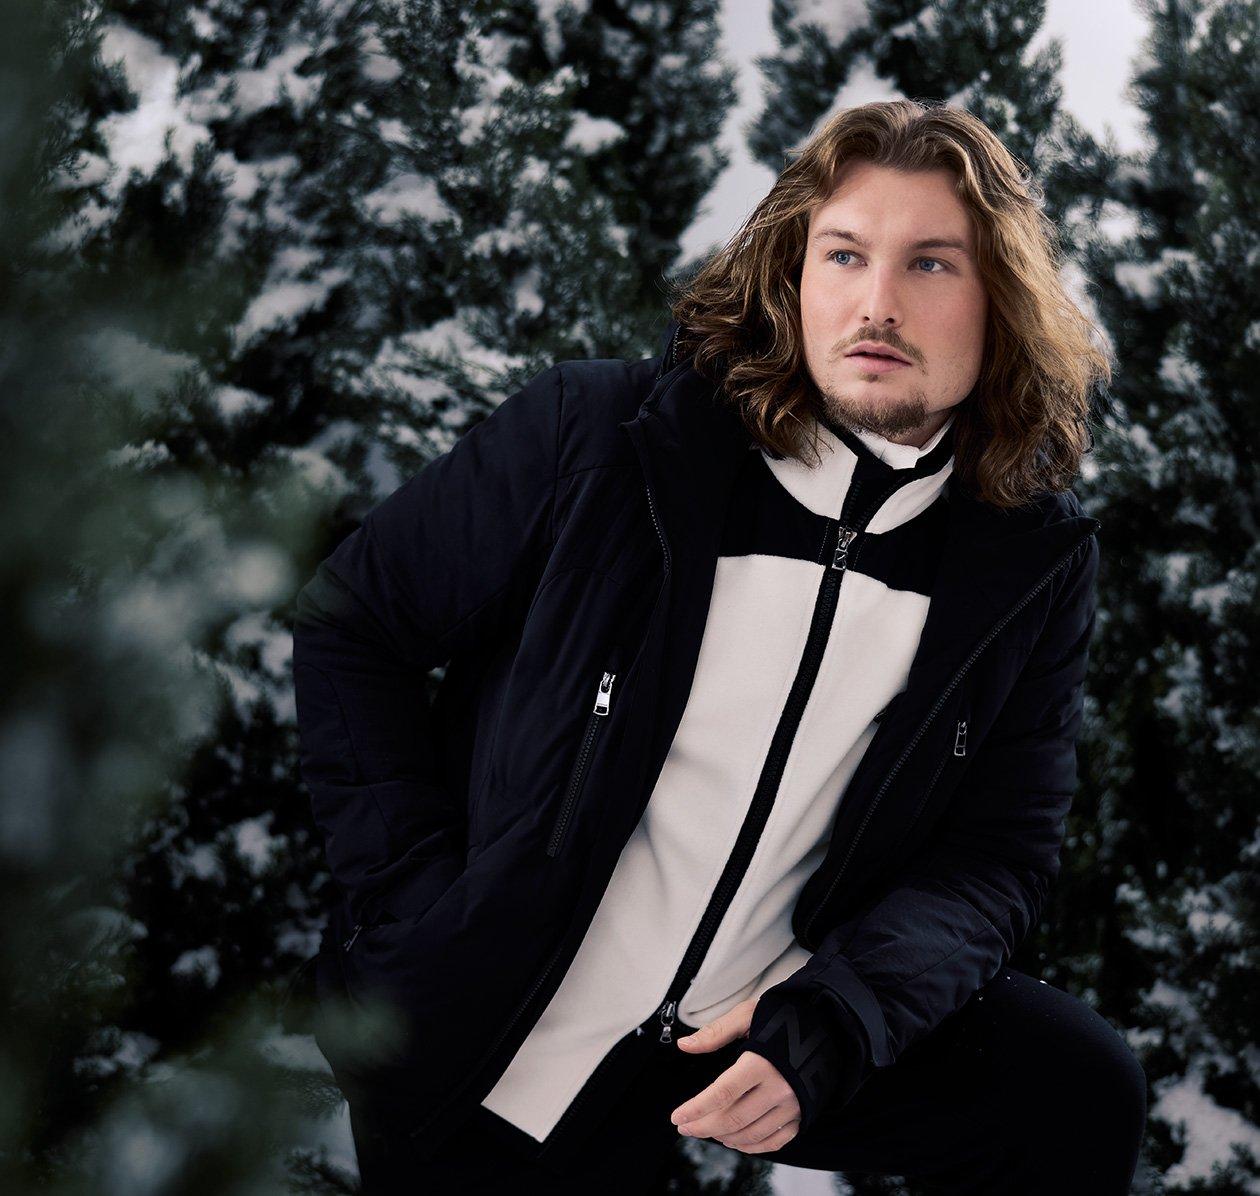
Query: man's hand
pixel 750 1107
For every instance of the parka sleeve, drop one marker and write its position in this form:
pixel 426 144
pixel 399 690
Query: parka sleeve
pixel 945 924
pixel 431 570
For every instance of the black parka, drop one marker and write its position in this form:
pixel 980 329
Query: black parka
pixel 576 530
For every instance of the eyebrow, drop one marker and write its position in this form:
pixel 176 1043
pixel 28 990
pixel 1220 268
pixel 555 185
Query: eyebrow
pixel 843 234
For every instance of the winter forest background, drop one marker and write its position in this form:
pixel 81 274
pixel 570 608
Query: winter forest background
pixel 261 259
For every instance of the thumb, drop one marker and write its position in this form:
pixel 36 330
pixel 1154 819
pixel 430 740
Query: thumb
pixel 711 1035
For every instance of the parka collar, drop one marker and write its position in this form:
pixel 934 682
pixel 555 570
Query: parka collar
pixel 690 446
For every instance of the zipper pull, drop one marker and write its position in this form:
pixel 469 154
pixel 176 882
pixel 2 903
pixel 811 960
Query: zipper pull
pixel 960 739
pixel 667 1020
pixel 840 559
pixel 350 941
pixel 603 695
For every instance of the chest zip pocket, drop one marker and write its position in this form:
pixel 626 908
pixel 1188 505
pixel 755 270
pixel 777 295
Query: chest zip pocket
pixel 595 720
pixel 958 748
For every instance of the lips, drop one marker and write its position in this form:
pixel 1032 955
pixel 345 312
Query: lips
pixel 871 363
pixel 878 355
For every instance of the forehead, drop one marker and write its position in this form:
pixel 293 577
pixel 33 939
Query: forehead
pixel 878 203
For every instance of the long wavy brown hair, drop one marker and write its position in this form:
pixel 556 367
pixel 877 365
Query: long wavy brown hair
pixel 1024 427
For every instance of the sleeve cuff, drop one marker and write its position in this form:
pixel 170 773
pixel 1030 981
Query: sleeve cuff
pixel 816 1053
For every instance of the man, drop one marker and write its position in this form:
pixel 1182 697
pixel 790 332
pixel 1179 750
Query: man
pixel 749 767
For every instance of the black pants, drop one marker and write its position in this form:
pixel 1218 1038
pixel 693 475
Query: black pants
pixel 1024 1090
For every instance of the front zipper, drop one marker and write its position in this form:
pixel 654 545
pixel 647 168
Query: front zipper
pixel 960 736
pixel 960 749
pixel 667 360
pixel 666 1014
pixel 960 732
pixel 481 1063
pixel 594 720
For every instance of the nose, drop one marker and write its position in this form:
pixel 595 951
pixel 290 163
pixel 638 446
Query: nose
pixel 882 302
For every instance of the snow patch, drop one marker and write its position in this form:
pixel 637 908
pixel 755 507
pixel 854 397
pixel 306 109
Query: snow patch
pixel 1210 1132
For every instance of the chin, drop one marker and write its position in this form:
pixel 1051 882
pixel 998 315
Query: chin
pixel 896 412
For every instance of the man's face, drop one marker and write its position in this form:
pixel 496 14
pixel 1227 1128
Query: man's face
pixel 926 303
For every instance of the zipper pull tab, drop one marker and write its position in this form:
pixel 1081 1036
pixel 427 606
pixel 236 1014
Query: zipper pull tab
pixel 667 1020
pixel 603 695
pixel 960 739
pixel 350 941
pixel 840 559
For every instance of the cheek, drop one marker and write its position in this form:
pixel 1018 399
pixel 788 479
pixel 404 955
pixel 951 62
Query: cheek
pixel 818 313
pixel 977 308
pixel 813 295
pixel 960 331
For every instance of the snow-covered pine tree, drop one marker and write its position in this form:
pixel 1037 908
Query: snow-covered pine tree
pixel 651 100
pixel 1163 920
pixel 120 559
pixel 976 54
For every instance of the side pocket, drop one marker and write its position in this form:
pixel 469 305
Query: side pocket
pixel 369 923
pixel 412 891
pixel 595 721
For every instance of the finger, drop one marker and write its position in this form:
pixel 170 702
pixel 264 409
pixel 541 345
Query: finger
pixel 734 1117
pixel 779 1138
pixel 721 1093
pixel 758 1130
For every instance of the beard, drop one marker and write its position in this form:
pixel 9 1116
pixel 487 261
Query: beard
pixel 876 412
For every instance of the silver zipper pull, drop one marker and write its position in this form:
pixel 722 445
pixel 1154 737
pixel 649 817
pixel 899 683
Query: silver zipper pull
pixel 667 1020
pixel 840 559
pixel 960 739
pixel 603 695
pixel 350 941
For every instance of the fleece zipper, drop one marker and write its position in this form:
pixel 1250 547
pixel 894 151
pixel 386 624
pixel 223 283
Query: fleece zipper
pixel 839 538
